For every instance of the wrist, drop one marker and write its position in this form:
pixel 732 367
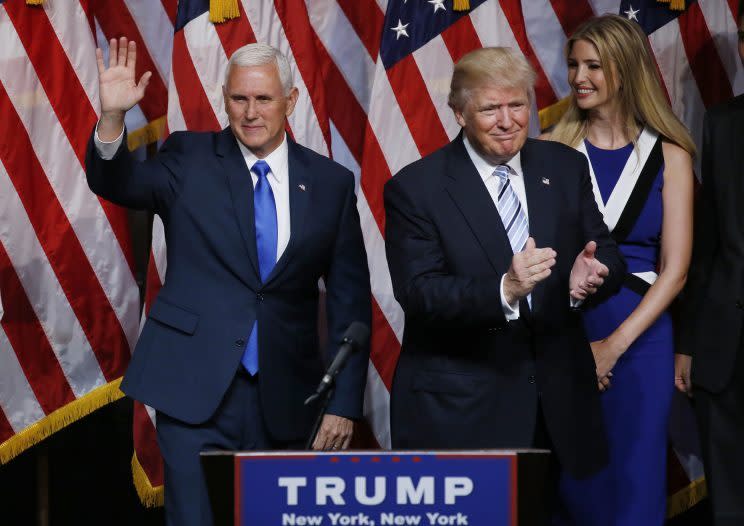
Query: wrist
pixel 618 344
pixel 510 296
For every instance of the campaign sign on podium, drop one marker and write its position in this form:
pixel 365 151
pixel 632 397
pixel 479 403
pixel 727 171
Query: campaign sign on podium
pixel 375 488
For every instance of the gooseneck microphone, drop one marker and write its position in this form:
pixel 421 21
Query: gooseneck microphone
pixel 356 337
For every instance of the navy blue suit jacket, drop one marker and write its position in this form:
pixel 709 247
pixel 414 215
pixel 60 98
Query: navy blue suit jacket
pixel 191 345
pixel 466 378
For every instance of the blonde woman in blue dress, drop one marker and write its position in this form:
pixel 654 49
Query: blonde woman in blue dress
pixel 640 157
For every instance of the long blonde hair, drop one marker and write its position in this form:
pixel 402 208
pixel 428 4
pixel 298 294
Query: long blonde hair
pixel 641 100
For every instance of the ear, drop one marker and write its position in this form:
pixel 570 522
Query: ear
pixel 294 94
pixel 459 117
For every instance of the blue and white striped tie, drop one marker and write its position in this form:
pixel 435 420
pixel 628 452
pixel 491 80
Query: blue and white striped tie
pixel 510 210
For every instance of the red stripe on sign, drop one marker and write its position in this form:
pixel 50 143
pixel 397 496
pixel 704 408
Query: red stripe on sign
pixel 384 348
pixel 706 65
pixel 461 38
pixel 195 107
pixel 416 106
pixel 171 8
pixel 235 33
pixel 367 20
pixel 304 44
pixel 375 173
pixel 543 91
pixel 116 21
pixel 61 245
pixel 30 343
pixel 153 284
pixel 67 97
pixel 572 14
pixel 146 445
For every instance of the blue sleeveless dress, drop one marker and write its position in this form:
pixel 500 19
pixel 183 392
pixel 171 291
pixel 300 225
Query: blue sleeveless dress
pixel 631 490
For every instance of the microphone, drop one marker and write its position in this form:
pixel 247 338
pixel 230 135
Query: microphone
pixel 355 337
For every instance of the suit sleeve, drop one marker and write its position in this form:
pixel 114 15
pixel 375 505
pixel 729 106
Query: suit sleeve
pixel 148 185
pixel 705 240
pixel 348 299
pixel 596 230
pixel 422 282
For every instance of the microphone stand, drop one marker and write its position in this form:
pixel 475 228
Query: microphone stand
pixel 326 400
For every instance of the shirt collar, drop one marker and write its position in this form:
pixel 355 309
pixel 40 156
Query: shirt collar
pixel 277 160
pixel 484 167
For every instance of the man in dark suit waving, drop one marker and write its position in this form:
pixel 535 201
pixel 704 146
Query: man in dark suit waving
pixel 252 222
pixel 493 353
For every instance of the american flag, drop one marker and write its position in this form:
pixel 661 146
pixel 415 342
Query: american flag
pixel 71 303
pixel 374 77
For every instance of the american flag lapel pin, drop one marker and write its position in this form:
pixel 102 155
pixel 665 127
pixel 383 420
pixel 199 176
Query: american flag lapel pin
pixel 301 187
pixel 545 180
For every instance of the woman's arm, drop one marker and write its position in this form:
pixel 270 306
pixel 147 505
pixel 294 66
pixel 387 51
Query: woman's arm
pixel 676 248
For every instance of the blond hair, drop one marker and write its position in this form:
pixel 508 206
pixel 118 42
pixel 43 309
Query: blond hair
pixel 622 44
pixel 496 66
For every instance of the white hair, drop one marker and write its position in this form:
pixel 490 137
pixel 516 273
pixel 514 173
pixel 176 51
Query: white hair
pixel 259 54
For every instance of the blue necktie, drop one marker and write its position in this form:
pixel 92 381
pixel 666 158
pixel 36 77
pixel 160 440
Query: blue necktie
pixel 510 210
pixel 266 233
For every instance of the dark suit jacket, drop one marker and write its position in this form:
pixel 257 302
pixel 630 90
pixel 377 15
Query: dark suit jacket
pixel 466 378
pixel 196 331
pixel 714 313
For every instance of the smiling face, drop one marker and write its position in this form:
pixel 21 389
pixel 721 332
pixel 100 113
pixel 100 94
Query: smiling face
pixel 586 76
pixel 257 107
pixel 496 121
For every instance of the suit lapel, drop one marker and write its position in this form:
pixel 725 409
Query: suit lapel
pixel 241 191
pixel 540 206
pixel 300 191
pixel 471 196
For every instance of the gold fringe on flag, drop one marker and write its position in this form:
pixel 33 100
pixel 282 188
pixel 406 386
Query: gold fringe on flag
pixel 151 132
pixel 460 5
pixel 550 115
pixel 151 497
pixel 223 10
pixel 34 2
pixel 60 418
pixel 686 498
pixel 675 5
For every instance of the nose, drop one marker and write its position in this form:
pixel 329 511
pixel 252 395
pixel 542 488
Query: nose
pixel 579 75
pixel 251 111
pixel 504 118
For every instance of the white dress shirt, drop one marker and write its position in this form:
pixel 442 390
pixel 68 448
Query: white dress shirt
pixel 277 160
pixel 516 180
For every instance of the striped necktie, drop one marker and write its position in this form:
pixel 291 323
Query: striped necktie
pixel 510 210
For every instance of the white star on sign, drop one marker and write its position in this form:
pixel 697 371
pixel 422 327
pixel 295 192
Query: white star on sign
pixel 631 13
pixel 400 29
pixel 438 4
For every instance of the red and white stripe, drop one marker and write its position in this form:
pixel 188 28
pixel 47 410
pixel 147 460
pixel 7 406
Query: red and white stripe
pixel 69 295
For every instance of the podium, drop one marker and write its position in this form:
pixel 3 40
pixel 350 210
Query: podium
pixel 377 488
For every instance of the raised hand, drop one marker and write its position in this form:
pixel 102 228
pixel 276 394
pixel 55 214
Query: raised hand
pixel 587 273
pixel 118 88
pixel 528 268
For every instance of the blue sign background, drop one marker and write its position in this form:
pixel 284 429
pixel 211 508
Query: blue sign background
pixel 260 501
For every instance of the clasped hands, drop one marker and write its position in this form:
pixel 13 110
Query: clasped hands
pixel 533 265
